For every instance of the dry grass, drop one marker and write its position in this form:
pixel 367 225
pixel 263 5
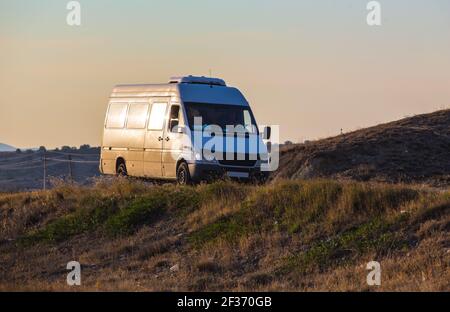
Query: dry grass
pixel 288 235
pixel 413 150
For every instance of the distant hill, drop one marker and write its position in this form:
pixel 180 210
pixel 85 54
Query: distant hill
pixel 411 150
pixel 24 170
pixel 6 148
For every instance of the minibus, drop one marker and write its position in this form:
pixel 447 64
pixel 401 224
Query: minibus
pixel 190 129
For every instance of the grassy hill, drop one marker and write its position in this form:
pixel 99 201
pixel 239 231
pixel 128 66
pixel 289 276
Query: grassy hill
pixel 287 235
pixel 411 150
pixel 376 194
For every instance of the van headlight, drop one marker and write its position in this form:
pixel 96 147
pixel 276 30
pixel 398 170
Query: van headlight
pixel 198 156
pixel 202 158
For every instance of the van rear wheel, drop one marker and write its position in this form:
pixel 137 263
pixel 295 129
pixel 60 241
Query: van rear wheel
pixel 122 170
pixel 183 175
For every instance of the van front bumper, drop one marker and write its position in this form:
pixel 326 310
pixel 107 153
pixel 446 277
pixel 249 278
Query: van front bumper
pixel 201 171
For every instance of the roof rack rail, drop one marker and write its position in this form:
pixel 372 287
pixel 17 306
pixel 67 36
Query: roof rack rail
pixel 198 80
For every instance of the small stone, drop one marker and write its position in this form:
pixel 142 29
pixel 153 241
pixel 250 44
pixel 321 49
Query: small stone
pixel 175 268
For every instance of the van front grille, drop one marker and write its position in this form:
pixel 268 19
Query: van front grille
pixel 240 163
pixel 247 162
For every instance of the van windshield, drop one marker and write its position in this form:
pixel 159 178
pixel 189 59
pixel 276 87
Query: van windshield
pixel 221 115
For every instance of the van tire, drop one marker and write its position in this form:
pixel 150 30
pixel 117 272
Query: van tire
pixel 122 170
pixel 183 175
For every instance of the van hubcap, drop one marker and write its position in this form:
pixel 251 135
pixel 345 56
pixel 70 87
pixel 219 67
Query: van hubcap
pixel 122 172
pixel 182 176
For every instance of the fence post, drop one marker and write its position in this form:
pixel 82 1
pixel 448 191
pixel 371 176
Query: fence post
pixel 45 173
pixel 70 168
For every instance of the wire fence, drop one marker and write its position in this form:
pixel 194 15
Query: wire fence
pixel 16 158
pixel 39 165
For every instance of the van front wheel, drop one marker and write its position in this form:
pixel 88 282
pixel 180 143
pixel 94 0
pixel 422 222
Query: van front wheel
pixel 183 176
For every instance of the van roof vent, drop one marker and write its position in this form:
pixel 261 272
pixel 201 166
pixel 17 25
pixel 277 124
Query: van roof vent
pixel 198 80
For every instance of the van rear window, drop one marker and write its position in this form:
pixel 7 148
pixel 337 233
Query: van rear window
pixel 116 115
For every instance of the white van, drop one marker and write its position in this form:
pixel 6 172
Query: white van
pixel 182 130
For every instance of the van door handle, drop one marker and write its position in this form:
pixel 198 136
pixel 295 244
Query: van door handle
pixel 160 139
pixel 167 139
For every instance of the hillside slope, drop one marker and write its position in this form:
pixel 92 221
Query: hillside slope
pixel 288 235
pixel 6 148
pixel 411 150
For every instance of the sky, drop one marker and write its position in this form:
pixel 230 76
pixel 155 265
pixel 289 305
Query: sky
pixel 312 67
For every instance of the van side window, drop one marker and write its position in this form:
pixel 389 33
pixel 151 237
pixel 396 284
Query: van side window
pixel 174 117
pixel 116 115
pixel 137 115
pixel 157 116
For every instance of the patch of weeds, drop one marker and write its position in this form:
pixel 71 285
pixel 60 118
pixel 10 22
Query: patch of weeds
pixel 435 211
pixel 148 209
pixel 84 219
pixel 155 248
pixel 374 236
pixel 257 280
pixel 96 211
pixel 374 200
pixel 229 228
pixel 141 211
pixel 164 263
pixel 201 283
pixel 295 204
pixel 209 267
pixel 224 190
pixel 308 205
pixel 183 200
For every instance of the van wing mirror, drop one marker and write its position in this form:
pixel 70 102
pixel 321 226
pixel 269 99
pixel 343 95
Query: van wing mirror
pixel 267 132
pixel 180 129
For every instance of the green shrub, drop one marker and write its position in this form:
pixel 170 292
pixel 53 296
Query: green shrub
pixel 376 236
pixel 141 211
pixel 229 227
pixel 94 212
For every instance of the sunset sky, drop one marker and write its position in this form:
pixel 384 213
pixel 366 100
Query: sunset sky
pixel 312 67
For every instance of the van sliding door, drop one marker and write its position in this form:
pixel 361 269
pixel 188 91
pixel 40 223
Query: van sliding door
pixel 135 136
pixel 154 138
